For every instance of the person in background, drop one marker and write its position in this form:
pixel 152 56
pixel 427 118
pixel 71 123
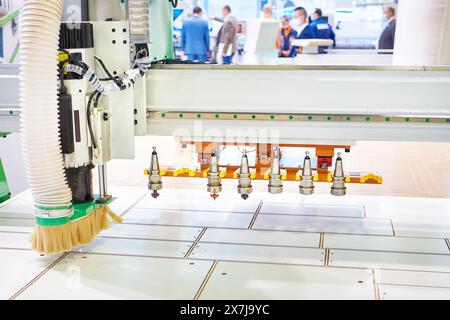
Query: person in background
pixel 286 35
pixel 227 37
pixel 387 38
pixel 296 20
pixel 304 30
pixel 240 39
pixel 322 29
pixel 267 12
pixel 195 37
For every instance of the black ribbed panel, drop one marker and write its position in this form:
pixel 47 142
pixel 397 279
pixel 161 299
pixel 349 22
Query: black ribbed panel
pixel 76 36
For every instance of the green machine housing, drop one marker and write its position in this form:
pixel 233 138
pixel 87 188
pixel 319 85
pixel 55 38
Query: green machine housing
pixel 4 189
pixel 160 25
pixel 161 30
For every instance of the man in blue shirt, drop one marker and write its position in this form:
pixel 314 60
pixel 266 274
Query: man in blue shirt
pixel 304 30
pixel 195 37
pixel 322 29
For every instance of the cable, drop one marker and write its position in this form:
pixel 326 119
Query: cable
pixel 71 60
pixel 174 3
pixel 66 52
pixel 115 79
pixel 140 48
pixel 119 83
pixel 88 114
pixel 96 101
pixel 62 87
pixel 110 76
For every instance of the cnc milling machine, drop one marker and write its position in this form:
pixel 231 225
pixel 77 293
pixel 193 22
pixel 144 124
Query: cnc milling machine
pixel 117 81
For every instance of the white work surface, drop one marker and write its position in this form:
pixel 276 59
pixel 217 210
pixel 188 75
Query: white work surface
pixel 333 58
pixel 184 245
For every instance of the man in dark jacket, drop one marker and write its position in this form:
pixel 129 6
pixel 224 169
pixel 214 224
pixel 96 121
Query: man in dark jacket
pixel 322 29
pixel 387 38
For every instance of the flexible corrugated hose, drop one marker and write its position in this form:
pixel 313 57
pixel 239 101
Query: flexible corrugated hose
pixel 44 164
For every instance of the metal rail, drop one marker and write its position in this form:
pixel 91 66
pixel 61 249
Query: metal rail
pixel 352 118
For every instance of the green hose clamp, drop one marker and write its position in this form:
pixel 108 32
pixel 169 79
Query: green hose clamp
pixel 47 221
pixel 80 211
pixel 47 208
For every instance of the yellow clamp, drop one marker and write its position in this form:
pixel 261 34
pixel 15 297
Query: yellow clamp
pixel 236 174
pixel 330 177
pixel 205 173
pixel 223 172
pixel 162 172
pixel 371 176
pixel 283 175
pixel 298 175
pixel 316 178
pixel 267 174
pixel 192 173
pixel 63 57
pixel 176 173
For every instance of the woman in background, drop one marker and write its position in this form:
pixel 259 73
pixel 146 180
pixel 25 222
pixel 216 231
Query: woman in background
pixel 286 35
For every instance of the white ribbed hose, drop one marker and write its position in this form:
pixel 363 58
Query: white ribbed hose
pixel 423 33
pixel 44 164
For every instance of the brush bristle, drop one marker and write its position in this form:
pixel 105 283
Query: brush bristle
pixel 53 240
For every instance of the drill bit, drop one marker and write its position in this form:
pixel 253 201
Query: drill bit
pixel 155 184
pixel 245 182
pixel 275 184
pixel 214 181
pixel 338 188
pixel 307 183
